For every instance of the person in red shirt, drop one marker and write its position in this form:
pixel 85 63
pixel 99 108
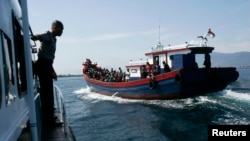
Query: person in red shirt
pixel 148 69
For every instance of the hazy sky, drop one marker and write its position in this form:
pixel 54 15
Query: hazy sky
pixel 112 32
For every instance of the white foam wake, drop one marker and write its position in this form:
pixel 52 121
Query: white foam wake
pixel 237 96
pixel 82 91
pixel 87 94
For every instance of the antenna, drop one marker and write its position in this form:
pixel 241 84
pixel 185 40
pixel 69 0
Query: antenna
pixel 159 45
pixel 159 29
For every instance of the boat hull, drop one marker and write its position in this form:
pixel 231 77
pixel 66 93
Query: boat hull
pixel 176 84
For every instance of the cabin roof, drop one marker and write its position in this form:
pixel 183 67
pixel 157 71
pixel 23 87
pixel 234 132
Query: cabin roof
pixel 201 50
pixel 165 51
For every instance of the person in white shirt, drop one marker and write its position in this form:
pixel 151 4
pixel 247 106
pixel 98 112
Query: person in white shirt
pixel 127 75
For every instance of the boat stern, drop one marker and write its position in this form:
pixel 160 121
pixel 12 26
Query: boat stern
pixel 201 81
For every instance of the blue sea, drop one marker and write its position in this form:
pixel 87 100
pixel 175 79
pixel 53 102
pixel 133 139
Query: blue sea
pixel 95 117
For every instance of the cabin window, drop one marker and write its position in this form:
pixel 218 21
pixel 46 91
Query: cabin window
pixel 9 82
pixel 133 70
pixel 156 59
pixel 20 60
pixel 199 58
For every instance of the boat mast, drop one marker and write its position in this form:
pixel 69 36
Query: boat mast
pixel 30 91
pixel 159 30
pixel 159 34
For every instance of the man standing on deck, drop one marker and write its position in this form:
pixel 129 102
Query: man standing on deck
pixel 127 75
pixel 45 70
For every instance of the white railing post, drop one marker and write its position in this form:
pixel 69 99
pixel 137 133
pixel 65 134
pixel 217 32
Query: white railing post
pixel 61 104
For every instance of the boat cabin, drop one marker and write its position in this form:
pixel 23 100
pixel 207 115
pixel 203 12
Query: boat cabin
pixel 177 57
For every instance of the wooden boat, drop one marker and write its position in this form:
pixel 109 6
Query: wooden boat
pixel 185 79
pixel 20 114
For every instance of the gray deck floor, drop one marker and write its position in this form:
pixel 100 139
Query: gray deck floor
pixel 49 134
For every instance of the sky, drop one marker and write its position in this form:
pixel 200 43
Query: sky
pixel 112 32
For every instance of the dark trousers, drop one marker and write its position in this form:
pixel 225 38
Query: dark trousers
pixel 44 70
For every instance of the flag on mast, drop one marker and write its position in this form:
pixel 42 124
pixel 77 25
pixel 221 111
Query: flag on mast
pixel 211 33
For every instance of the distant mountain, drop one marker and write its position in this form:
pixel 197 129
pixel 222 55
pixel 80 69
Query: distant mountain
pixel 238 59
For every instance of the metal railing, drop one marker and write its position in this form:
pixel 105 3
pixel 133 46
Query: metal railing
pixel 60 108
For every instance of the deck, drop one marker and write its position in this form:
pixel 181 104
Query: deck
pixel 51 133
pixel 55 133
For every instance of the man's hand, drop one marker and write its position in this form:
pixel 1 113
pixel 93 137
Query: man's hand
pixel 34 38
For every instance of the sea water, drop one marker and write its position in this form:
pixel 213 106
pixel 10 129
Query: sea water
pixel 95 117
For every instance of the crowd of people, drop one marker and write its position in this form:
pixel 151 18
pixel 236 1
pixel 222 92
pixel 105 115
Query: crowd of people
pixel 106 75
pixel 149 70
